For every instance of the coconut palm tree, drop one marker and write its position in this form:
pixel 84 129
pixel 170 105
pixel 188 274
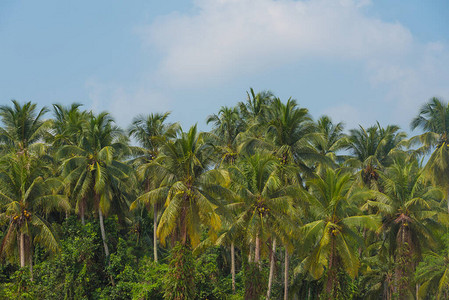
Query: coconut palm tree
pixel 23 126
pixel 27 195
pixel 410 210
pixel 332 236
pixel 433 274
pixel 192 193
pixel 254 111
pixel 372 150
pixel 433 119
pixel 94 168
pixel 68 124
pixel 151 132
pixel 188 187
pixel 330 139
pixel 264 205
pixel 228 126
pixel 289 132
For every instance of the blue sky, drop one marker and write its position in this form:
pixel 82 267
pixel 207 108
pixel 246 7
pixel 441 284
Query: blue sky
pixel 356 60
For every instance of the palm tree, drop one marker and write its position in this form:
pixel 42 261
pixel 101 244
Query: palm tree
pixel 227 128
pixel 151 132
pixel 192 196
pixel 289 131
pixel 27 194
pixel 188 188
pixel 372 150
pixel 254 110
pixel 263 203
pixel 94 169
pixel 23 126
pixel 433 118
pixel 433 273
pixel 410 212
pixel 330 139
pixel 68 124
pixel 288 134
pixel 333 236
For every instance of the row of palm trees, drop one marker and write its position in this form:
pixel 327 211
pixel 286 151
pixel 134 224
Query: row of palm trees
pixel 266 179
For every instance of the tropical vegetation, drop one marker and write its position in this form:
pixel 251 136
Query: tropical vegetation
pixel 270 203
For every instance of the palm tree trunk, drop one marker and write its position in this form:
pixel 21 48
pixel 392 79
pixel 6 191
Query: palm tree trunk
pixel 400 265
pixel 250 253
pixel 22 250
pixel 183 222
pixel 155 232
pixel 30 257
pixel 330 275
pixel 233 267
pixel 103 233
pixel 105 245
pixel 270 277
pixel 257 250
pixel 286 275
pixel 82 211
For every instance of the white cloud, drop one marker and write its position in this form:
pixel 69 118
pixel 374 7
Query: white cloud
pixel 228 37
pixel 223 42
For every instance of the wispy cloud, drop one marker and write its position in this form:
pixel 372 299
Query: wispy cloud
pixel 228 37
pixel 220 43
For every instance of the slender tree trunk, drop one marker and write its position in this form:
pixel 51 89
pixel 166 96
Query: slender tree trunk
pixel 155 232
pixel 103 233
pixel 30 257
pixel 257 250
pixel 250 254
pixel 270 278
pixel 286 275
pixel 397 279
pixel 82 211
pixel 233 267
pixel 330 272
pixel 183 227
pixel 182 219
pixel 22 250
pixel 103 237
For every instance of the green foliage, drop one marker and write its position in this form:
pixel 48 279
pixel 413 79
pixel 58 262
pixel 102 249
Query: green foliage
pixel 151 280
pixel 255 282
pixel 356 225
pixel 75 272
pixel 179 283
pixel 72 274
pixel 21 287
pixel 210 282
